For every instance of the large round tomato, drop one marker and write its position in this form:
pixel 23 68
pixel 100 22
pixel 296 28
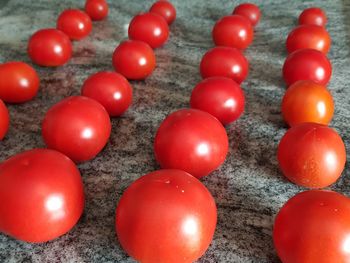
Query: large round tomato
pixel 249 11
pixel 191 140
pixel 41 195
pixel 19 82
pixel 313 226
pixel 166 216
pixel 165 9
pixel 75 23
pixel 96 9
pixel 77 126
pixel 312 155
pixel 313 16
pixel 306 101
pixel 4 120
pixel 221 97
pixel 307 64
pixel 224 62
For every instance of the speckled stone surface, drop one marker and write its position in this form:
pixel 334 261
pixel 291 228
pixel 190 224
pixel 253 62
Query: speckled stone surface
pixel 249 189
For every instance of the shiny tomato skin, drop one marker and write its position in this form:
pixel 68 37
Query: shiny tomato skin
pixel 110 89
pixel 4 120
pixel 307 64
pixel 75 23
pixel 49 47
pixel 19 82
pixel 311 155
pixel 41 195
pixel 150 28
pixel 191 140
pixel 221 97
pixel 233 31
pixel 77 126
pixel 165 9
pixel 134 59
pixel 97 9
pixel 308 36
pixel 313 16
pixel 166 216
pixel 249 11
pixel 313 226
pixel 306 101
pixel 224 62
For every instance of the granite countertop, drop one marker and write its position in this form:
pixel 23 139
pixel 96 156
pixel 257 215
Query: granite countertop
pixel 249 188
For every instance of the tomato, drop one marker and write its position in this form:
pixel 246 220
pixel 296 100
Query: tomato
pixel 309 36
pixel 150 28
pixel 49 47
pixel 221 97
pixel 307 64
pixel 110 89
pixel 165 9
pixel 96 9
pixel 75 23
pixel 77 126
pixel 306 101
pixel 134 59
pixel 19 82
pixel 191 140
pixel 313 226
pixel 249 11
pixel 41 195
pixel 233 31
pixel 311 155
pixel 4 120
pixel 166 216
pixel 313 16
pixel 224 62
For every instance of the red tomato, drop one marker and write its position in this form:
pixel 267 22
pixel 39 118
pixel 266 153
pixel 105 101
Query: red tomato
pixel 313 16
pixel 41 195
pixel 165 9
pixel 4 120
pixel 249 11
pixel 96 9
pixel 309 36
pixel 191 140
pixel 78 127
pixel 306 101
pixel 49 47
pixel 75 23
pixel 307 64
pixel 110 89
pixel 150 28
pixel 19 82
pixel 134 59
pixel 313 226
pixel 312 155
pixel 166 216
pixel 224 62
pixel 233 31
pixel 221 97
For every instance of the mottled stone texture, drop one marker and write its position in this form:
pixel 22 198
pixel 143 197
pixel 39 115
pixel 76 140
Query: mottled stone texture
pixel 249 189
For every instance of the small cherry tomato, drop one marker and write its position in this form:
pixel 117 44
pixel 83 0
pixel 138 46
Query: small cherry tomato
pixel 221 97
pixel 249 11
pixel 191 140
pixel 307 64
pixel 4 120
pixel 41 195
pixel 77 126
pixel 313 16
pixel 306 101
pixel 19 82
pixel 165 9
pixel 312 155
pixel 110 89
pixel 224 62
pixel 166 216
pixel 233 31
pixel 49 47
pixel 134 59
pixel 150 28
pixel 308 36
pixel 313 226
pixel 75 23
pixel 96 9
